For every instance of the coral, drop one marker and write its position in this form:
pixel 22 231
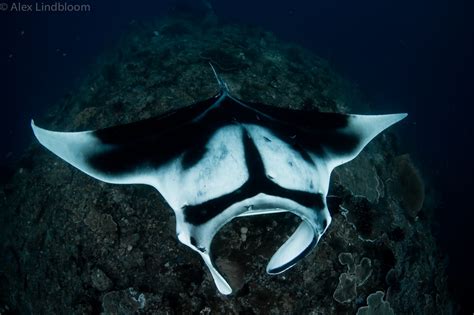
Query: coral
pixel 346 289
pixel 363 271
pixel 407 185
pixel 346 259
pixel 361 178
pixel 376 305
pixel 100 281
pixel 356 276
pixel 124 302
pixel 362 215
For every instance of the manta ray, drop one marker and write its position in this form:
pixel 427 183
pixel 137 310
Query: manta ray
pixel 223 158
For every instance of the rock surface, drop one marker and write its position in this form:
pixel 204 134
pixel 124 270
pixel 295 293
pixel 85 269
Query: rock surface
pixel 73 245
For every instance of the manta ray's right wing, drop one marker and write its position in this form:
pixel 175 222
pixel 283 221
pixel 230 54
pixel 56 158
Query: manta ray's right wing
pixel 79 148
pixel 128 154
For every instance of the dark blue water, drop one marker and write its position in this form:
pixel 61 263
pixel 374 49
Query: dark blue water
pixel 413 56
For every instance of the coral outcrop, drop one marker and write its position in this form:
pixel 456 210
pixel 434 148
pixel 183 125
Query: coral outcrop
pixel 73 245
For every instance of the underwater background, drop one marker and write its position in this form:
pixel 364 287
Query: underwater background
pixel 384 57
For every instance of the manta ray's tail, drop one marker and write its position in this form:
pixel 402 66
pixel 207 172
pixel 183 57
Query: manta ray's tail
pixel 222 84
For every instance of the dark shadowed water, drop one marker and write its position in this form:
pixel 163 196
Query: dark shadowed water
pixel 406 56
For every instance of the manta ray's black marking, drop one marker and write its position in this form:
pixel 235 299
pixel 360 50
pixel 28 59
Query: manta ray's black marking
pixel 163 138
pixel 258 182
pixel 223 158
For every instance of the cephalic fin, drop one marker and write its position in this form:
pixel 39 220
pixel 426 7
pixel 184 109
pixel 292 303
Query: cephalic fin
pixel 303 240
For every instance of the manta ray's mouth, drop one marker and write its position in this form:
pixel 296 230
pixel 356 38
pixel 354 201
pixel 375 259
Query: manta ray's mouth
pixel 265 208
pixel 262 204
pixel 302 240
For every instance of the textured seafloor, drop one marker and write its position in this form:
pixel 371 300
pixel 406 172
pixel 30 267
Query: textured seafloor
pixel 73 245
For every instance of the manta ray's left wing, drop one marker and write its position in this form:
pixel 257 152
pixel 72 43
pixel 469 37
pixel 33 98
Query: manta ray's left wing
pixel 334 137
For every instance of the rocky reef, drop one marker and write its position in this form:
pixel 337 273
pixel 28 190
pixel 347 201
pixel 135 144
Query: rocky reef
pixel 74 245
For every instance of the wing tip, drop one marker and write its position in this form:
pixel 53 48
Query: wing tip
pixel 33 125
pixel 402 115
pixel 35 128
pixel 394 118
pixel 40 133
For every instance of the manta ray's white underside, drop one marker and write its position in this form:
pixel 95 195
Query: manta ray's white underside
pixel 223 158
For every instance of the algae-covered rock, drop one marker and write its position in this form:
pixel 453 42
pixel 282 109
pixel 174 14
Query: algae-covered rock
pixel 73 245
